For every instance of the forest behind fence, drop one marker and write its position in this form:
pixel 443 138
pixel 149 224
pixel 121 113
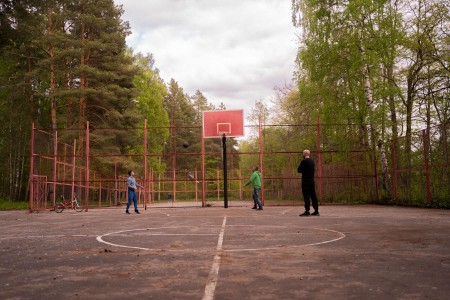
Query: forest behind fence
pixel 369 77
pixel 98 179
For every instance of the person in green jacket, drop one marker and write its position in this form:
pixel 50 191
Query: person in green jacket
pixel 255 179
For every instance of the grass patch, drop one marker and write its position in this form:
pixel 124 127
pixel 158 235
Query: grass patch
pixel 13 205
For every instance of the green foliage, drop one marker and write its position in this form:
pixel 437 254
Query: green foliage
pixel 65 63
pixel 182 118
pixel 68 64
pixel 394 51
pixel 150 103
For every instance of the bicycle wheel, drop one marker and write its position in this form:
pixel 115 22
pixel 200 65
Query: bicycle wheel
pixel 59 207
pixel 77 206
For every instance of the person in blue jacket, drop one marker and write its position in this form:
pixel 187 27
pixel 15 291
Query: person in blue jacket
pixel 132 186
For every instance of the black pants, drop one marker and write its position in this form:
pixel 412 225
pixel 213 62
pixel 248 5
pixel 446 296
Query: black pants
pixel 309 194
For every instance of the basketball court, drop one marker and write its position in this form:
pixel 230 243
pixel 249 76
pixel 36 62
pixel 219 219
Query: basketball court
pixel 349 252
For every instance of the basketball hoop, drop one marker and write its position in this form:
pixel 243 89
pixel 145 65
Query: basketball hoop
pixel 222 124
pixel 223 129
pixel 219 122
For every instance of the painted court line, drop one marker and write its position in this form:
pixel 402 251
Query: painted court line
pixel 100 238
pixel 286 211
pixel 214 273
pixel 45 236
pixel 341 236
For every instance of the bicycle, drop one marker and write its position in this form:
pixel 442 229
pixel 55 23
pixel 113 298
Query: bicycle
pixel 67 204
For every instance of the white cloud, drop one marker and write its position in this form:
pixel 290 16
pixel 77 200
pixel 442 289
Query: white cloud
pixel 233 51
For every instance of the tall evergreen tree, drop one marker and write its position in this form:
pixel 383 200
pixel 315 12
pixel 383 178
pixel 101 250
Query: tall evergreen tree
pixel 103 76
pixel 20 105
pixel 182 118
pixel 68 65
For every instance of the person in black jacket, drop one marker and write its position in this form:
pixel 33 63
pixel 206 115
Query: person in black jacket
pixel 306 168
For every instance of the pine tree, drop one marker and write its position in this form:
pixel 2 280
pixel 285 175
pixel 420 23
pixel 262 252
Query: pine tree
pixel 20 104
pixel 182 118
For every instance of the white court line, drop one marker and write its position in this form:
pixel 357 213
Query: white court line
pixel 341 236
pixel 100 237
pixel 101 240
pixel 214 273
pixel 286 211
pixel 45 236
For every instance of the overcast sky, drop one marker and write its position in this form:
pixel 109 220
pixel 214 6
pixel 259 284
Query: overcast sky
pixel 233 51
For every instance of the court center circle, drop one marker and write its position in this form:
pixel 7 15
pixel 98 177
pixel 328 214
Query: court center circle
pixel 204 238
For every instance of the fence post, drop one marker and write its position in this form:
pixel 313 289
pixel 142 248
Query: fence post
pixel 116 184
pixel 145 165
pixel 151 186
pixel 426 149
pixel 261 159
pixel 319 160
pixel 394 170
pixel 241 193
pixel 196 186
pixel 100 194
pixel 55 164
pixel 86 188
pixel 203 170
pixel 174 185
pixel 74 153
pixel 218 183
pixel 375 175
pixel 375 169
pixel 31 179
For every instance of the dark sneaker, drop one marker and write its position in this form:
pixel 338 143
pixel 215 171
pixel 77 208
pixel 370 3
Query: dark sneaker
pixel 137 212
pixel 259 208
pixel 305 214
pixel 254 207
pixel 127 212
pixel 316 213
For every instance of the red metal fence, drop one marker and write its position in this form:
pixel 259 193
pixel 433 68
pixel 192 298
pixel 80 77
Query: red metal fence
pixel 421 176
pixel 60 167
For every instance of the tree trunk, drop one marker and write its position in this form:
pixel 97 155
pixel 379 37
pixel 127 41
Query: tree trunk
pixel 69 116
pixel 82 120
pixel 22 193
pixel 408 134
pixel 408 137
pixel 375 136
pixel 52 92
pixel 392 108
pixel 52 73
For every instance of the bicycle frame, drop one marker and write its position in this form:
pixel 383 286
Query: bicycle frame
pixel 68 204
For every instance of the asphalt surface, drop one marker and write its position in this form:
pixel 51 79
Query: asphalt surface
pixel 348 252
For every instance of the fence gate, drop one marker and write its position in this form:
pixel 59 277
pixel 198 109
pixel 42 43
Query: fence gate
pixel 39 192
